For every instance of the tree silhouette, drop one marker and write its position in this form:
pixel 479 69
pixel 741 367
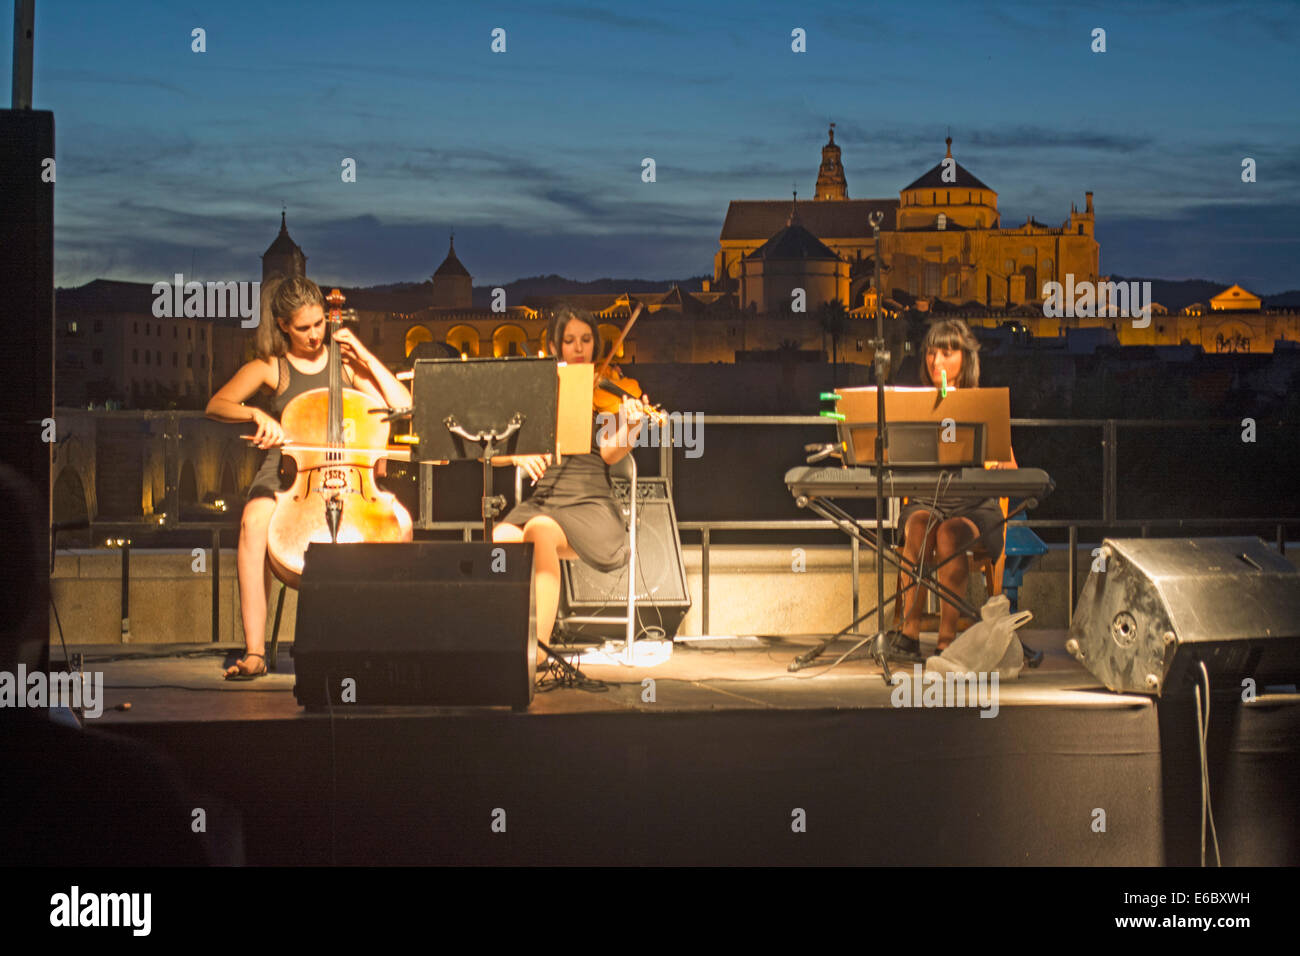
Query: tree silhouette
pixel 833 318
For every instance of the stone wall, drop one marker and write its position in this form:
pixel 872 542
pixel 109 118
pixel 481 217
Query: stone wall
pixel 753 589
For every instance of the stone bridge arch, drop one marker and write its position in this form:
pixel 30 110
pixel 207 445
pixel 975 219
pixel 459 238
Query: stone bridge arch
pixel 509 340
pixel 415 335
pixel 464 339
pixel 70 501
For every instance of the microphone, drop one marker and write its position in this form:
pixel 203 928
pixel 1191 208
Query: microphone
pixel 821 451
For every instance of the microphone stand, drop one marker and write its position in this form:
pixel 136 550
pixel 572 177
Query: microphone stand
pixel 880 647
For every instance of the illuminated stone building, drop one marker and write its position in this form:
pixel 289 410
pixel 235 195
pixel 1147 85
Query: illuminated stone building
pixel 111 347
pixel 943 238
pixel 792 261
pixel 109 344
pixel 1234 299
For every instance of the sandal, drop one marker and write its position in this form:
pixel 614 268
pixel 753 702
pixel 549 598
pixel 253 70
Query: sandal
pixel 900 647
pixel 237 676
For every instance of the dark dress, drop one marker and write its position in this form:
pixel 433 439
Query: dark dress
pixel 291 384
pixel 578 495
pixel 984 512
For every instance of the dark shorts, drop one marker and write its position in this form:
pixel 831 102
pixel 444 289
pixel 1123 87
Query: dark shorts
pixel 594 526
pixel 986 514
pixel 266 483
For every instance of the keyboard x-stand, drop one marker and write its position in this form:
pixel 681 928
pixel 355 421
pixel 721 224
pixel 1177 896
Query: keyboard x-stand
pixel 816 489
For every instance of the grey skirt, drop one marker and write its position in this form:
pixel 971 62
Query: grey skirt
pixel 593 525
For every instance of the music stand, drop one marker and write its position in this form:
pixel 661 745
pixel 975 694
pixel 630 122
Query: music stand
pixel 478 409
pixel 967 408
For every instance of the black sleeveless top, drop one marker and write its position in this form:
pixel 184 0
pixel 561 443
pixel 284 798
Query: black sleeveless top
pixel 290 385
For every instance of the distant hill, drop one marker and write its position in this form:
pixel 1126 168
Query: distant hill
pixel 394 297
pixel 110 295
pixel 1176 295
pixel 1283 300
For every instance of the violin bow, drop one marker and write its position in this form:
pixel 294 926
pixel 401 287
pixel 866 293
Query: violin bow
pixel 603 367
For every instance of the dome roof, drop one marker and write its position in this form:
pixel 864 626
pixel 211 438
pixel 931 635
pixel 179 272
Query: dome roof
pixel 793 242
pixel 934 178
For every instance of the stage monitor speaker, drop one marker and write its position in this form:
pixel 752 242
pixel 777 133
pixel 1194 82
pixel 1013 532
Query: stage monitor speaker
pixel 662 595
pixel 1159 608
pixel 426 622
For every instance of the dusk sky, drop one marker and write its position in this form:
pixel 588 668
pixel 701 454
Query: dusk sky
pixel 167 156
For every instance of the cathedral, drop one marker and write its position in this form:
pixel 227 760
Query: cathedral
pixel 943 238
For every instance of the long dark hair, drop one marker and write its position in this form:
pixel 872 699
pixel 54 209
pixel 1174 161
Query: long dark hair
pixel 952 334
pixel 563 314
pixel 281 298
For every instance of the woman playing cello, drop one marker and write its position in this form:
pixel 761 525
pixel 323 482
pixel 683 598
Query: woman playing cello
pixel 291 358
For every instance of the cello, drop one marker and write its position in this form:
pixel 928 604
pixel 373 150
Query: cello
pixel 334 436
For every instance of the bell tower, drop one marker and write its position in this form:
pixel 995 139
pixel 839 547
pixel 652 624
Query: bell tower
pixel 830 175
pixel 453 287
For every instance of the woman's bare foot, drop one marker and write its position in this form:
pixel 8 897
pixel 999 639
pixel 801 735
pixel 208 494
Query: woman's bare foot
pixel 245 668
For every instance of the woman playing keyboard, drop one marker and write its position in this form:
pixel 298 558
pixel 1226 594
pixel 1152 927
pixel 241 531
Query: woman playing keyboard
pixel 947 524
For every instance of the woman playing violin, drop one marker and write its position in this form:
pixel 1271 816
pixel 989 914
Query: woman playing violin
pixel 573 514
pixel 291 358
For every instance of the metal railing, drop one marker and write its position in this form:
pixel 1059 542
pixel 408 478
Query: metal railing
pixel 1106 519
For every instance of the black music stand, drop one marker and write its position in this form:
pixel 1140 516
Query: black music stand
pixel 473 409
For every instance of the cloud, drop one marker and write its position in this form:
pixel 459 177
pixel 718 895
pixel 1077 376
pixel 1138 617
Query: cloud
pixel 993 138
pixel 574 202
pixel 1038 137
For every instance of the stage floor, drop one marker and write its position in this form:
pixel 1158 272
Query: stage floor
pixel 183 682
pixel 731 760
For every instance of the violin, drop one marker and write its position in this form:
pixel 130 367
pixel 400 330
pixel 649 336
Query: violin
pixel 334 436
pixel 612 386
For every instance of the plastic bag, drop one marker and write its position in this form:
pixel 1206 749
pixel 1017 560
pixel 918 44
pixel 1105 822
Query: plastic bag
pixel 989 645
